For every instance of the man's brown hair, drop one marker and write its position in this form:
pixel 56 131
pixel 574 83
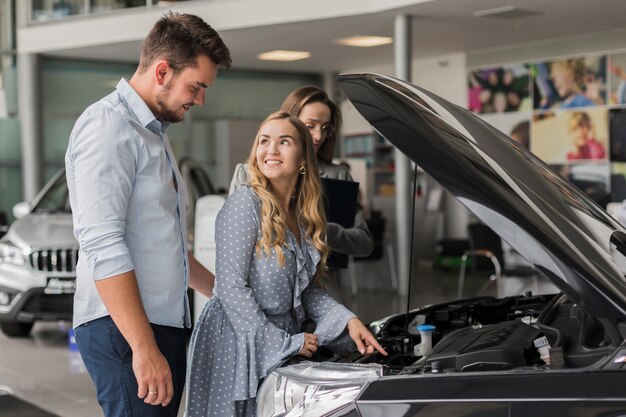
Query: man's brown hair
pixel 180 39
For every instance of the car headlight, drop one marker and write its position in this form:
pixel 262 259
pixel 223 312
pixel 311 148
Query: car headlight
pixel 10 253
pixel 313 389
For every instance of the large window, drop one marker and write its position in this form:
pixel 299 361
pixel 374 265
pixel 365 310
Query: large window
pixel 43 10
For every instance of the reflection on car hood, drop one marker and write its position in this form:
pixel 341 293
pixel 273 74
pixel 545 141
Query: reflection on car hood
pixel 552 224
pixel 43 231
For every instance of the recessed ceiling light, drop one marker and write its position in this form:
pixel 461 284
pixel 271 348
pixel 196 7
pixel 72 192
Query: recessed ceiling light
pixel 283 55
pixel 364 41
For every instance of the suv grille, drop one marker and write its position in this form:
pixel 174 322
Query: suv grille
pixel 54 260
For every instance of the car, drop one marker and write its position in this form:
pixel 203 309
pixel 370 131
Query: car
pixel 524 355
pixel 38 253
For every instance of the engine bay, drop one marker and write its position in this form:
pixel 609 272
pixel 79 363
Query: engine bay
pixel 489 334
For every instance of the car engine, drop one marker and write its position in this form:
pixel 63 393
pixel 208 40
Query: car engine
pixel 488 334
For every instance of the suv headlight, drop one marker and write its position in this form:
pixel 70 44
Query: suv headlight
pixel 313 389
pixel 10 253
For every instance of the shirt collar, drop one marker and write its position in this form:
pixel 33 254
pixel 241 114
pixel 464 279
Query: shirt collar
pixel 139 107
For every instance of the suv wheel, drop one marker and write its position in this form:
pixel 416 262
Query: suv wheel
pixel 15 329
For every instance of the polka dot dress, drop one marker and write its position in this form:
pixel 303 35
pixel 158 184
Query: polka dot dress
pixel 254 320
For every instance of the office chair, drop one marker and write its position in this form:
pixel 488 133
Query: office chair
pixel 487 255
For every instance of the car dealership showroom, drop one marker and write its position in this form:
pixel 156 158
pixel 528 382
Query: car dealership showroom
pixel 442 184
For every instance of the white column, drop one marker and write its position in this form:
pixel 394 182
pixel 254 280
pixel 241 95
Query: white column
pixel 402 58
pixel 330 85
pixel 29 109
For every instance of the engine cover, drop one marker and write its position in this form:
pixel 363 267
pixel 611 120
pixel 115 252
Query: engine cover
pixel 494 347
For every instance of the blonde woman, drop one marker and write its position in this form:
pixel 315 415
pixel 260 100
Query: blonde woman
pixel 271 256
pixel 312 106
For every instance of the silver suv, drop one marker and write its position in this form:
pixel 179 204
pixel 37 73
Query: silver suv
pixel 38 254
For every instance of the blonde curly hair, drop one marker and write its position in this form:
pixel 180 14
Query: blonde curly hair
pixel 575 67
pixel 307 200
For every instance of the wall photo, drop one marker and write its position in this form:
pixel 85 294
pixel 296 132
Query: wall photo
pixel 617 79
pixel 499 90
pixel 569 83
pixel 571 136
pixel 569 111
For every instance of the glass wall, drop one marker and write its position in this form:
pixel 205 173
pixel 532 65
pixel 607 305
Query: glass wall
pixel 10 168
pixel 99 6
pixel 10 154
pixel 43 10
pixel 69 86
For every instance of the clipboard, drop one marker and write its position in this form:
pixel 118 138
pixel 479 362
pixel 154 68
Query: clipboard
pixel 340 204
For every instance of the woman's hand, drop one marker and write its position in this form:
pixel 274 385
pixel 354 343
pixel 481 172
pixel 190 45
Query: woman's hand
pixel 364 339
pixel 310 345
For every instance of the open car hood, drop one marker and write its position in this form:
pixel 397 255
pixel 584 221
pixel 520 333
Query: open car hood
pixel 552 224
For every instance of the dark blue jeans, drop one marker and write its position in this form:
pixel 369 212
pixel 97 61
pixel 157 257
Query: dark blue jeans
pixel 108 358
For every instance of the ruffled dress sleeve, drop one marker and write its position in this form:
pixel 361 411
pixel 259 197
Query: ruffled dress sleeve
pixel 330 317
pixel 260 344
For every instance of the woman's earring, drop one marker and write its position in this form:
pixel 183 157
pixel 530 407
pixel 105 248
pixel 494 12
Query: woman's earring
pixel 302 169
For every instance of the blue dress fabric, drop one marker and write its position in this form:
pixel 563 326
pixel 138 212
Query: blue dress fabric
pixel 253 321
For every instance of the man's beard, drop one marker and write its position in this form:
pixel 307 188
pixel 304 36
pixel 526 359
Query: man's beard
pixel 166 114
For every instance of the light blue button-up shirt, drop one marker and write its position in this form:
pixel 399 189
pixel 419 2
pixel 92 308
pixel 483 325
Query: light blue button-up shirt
pixel 129 206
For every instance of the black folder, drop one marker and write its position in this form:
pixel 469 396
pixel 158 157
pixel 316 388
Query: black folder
pixel 340 203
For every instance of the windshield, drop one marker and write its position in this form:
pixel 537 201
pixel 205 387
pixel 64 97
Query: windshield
pixel 55 199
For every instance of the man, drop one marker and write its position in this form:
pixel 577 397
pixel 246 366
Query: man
pixel 129 209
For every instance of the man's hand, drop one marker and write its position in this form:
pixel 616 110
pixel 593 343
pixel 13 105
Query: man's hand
pixel 120 295
pixel 154 376
pixel 364 339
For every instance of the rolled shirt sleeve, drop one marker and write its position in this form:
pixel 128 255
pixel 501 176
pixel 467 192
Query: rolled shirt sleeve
pixel 102 173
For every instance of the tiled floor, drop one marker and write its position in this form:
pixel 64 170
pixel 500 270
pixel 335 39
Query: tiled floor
pixel 42 369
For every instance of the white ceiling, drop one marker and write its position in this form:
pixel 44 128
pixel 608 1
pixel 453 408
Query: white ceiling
pixel 440 27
